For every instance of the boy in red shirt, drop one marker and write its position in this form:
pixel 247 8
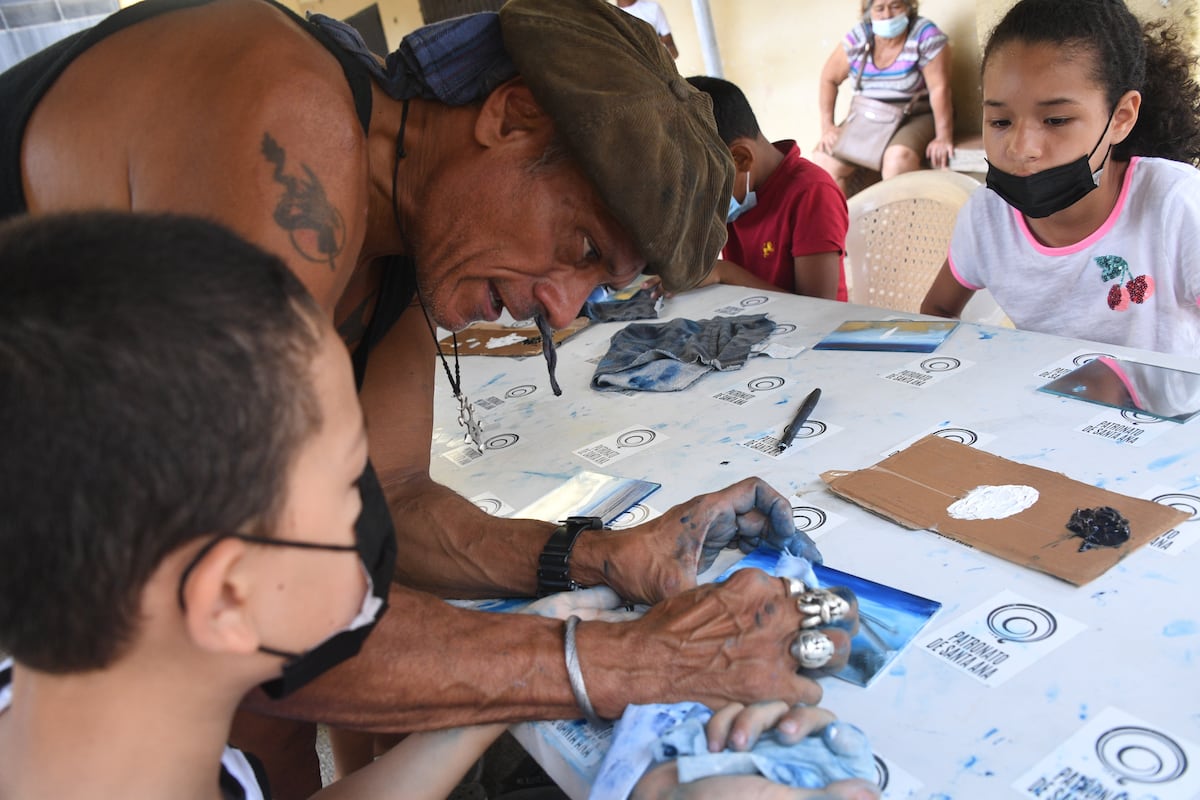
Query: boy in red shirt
pixel 787 219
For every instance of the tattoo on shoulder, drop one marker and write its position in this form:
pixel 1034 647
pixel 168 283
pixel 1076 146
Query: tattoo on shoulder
pixel 313 224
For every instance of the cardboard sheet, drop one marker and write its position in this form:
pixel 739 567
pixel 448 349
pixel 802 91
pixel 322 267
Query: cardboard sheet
pixel 494 339
pixel 915 486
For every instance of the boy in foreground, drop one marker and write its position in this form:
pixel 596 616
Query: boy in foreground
pixel 183 516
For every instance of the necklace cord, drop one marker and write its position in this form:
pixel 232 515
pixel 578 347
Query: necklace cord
pixel 401 153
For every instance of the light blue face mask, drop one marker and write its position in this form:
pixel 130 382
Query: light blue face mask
pixel 736 209
pixel 891 27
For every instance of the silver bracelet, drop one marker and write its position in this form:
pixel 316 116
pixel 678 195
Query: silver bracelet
pixel 575 675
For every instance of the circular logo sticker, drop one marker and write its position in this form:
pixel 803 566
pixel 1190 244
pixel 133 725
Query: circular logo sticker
pixel 520 391
pixel 881 773
pixel 501 441
pixel 766 383
pixel 961 435
pixel 634 515
pixel 1139 754
pixel 1184 502
pixel 1087 358
pixel 1020 622
pixel 808 518
pixel 635 438
pixel 489 505
pixel 1138 418
pixel 940 364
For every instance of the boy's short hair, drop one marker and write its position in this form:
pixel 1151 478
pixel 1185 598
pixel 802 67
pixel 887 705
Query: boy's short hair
pixel 735 119
pixel 155 386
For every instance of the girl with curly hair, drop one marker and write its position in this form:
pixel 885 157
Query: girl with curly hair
pixel 1090 223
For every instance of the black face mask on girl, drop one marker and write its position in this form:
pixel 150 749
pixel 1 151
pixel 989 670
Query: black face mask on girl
pixel 1051 190
pixel 375 543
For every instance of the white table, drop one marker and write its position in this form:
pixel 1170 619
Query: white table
pixel 1134 642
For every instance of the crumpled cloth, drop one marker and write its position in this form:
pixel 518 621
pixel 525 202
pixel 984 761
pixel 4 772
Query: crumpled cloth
pixel 674 355
pixel 643 305
pixel 651 734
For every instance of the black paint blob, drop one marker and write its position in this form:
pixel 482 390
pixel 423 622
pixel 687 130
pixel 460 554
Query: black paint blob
pixel 1099 527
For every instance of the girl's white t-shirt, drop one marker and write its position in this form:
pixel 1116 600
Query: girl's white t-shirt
pixel 1134 282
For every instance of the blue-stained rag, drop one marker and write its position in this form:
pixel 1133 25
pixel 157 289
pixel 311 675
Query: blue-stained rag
pixel 643 305
pixel 651 734
pixel 674 355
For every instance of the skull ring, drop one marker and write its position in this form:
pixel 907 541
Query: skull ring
pixel 812 649
pixel 821 607
pixel 795 587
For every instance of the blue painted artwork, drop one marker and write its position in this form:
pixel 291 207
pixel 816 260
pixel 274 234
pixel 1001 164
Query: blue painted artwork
pixel 889 618
pixel 894 335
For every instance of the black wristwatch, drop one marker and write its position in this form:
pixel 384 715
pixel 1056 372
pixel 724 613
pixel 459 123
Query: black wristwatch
pixel 555 560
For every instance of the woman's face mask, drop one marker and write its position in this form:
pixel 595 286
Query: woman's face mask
pixel 1047 192
pixel 891 27
pixel 736 209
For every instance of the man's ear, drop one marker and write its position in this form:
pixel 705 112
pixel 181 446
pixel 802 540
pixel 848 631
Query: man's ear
pixel 510 112
pixel 743 154
pixel 1125 116
pixel 217 601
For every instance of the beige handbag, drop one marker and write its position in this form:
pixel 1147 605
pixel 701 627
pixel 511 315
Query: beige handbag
pixel 870 125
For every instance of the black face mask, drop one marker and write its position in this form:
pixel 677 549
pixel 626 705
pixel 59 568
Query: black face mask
pixel 375 543
pixel 1051 190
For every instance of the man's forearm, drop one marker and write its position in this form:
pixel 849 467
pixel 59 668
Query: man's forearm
pixel 431 665
pixel 449 547
pixel 484 667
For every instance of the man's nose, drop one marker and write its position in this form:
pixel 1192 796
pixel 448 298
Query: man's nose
pixel 563 295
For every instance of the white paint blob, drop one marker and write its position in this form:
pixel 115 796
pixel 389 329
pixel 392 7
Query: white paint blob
pixel 993 502
pixel 505 341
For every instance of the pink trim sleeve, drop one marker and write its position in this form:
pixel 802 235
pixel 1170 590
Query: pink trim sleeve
pixel 954 271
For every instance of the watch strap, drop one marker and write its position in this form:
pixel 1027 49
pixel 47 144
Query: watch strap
pixel 554 563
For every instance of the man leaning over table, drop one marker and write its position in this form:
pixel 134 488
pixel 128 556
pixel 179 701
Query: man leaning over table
pixel 482 168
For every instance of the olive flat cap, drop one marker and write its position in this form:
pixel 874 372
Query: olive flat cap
pixel 639 131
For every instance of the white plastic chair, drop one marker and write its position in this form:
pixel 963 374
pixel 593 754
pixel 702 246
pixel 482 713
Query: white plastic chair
pixel 899 235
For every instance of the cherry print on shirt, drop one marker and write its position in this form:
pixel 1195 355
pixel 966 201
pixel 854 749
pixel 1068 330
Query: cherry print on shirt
pixel 1127 289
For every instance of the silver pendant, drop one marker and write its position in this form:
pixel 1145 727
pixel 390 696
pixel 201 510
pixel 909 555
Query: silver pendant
pixel 466 418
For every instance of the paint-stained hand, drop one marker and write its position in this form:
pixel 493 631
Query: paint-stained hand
pixel 735 641
pixel 663 557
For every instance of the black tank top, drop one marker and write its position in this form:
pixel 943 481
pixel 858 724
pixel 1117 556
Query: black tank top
pixel 23 86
